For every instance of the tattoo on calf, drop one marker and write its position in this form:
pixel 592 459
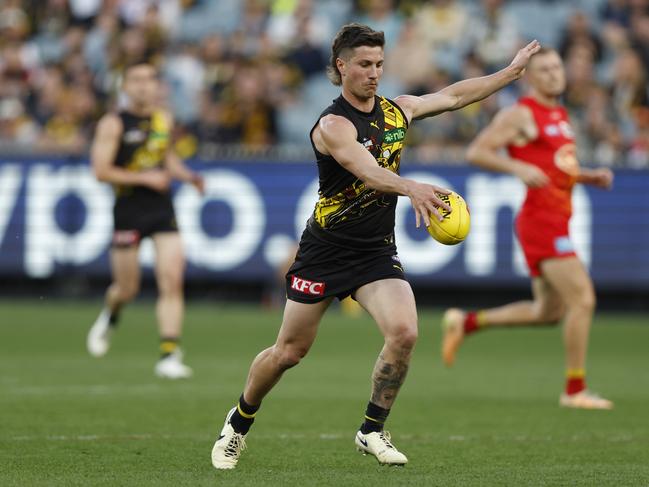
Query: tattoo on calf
pixel 387 380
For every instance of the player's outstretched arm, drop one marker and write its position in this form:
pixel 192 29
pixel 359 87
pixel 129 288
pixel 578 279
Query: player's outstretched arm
pixel 511 125
pixel 463 93
pixel 102 157
pixel 336 136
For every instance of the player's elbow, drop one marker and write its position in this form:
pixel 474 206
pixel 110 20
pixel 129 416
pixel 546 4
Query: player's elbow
pixel 458 101
pixel 101 173
pixel 101 176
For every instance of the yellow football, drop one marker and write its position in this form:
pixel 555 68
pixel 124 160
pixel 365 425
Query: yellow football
pixel 455 226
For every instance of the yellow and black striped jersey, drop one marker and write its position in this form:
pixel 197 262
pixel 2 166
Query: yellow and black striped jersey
pixel 348 211
pixel 143 145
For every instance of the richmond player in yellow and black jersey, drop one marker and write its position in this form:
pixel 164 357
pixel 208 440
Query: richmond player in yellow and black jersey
pixel 348 246
pixel 131 150
pixel 348 209
pixel 349 240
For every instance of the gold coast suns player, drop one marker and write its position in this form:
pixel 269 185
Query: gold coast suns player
pixel 131 150
pixel 348 245
pixel 541 152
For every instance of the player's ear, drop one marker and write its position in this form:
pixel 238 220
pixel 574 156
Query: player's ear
pixel 340 64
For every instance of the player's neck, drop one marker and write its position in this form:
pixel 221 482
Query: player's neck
pixel 141 110
pixel 548 101
pixel 362 104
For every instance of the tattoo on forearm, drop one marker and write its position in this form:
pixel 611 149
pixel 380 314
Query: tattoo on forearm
pixel 387 380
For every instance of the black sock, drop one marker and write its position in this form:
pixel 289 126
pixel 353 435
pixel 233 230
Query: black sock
pixel 113 319
pixel 168 345
pixel 375 417
pixel 243 416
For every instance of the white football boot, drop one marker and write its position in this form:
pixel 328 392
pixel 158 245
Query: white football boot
pixel 172 367
pixel 584 400
pixel 98 340
pixel 228 446
pixel 379 445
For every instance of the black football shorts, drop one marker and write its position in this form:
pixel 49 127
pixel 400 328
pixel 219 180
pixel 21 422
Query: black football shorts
pixel 135 221
pixel 322 269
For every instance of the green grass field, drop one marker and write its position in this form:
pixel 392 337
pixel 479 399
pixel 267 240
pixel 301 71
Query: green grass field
pixel 67 419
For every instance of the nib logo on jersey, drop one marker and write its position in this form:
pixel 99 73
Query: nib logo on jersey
pixel 307 287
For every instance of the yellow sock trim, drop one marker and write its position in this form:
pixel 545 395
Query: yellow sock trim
pixel 480 319
pixel 245 415
pixel 168 347
pixel 372 419
pixel 575 373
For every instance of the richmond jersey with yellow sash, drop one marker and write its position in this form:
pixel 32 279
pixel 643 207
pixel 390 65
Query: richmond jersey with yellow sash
pixel 141 211
pixel 143 146
pixel 347 210
pixel 349 239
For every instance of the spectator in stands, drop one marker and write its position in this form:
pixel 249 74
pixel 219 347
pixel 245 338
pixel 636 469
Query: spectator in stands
pixel 639 36
pixel 409 60
pixel 492 35
pixel 184 72
pixel 381 15
pixel 16 126
pixel 219 67
pixel 70 126
pixel 638 156
pixel 442 23
pixel 616 12
pixel 580 32
pixel 305 53
pixel 629 89
pixel 580 77
pixel 53 49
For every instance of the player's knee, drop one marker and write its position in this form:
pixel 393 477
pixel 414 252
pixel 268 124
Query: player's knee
pixel 286 357
pixel 170 283
pixel 127 292
pixel 403 336
pixel 585 302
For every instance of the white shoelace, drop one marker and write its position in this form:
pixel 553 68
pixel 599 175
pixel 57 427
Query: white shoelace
pixel 386 437
pixel 235 446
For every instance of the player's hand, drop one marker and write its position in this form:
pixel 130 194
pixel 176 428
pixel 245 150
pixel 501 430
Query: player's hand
pixel 523 56
pixel 198 182
pixel 601 178
pixel 425 201
pixel 156 179
pixel 531 175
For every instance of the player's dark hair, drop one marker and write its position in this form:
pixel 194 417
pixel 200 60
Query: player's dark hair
pixel 349 37
pixel 136 63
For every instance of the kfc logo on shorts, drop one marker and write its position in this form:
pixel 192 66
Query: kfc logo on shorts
pixel 307 287
pixel 125 238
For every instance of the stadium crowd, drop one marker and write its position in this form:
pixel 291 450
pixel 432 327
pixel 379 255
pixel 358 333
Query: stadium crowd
pixel 251 73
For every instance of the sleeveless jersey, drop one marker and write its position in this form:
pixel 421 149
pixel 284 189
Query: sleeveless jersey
pixel 143 146
pixel 554 152
pixel 348 213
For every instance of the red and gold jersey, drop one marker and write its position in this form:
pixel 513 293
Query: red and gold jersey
pixel 554 152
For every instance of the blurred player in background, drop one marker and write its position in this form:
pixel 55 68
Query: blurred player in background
pixel 541 152
pixel 348 246
pixel 132 151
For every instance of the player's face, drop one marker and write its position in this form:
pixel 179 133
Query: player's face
pixel 362 71
pixel 546 74
pixel 141 84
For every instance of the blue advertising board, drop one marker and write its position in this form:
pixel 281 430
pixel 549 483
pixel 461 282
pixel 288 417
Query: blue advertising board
pixel 56 219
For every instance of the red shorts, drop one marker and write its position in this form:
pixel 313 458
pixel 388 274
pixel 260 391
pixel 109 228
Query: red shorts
pixel 543 239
